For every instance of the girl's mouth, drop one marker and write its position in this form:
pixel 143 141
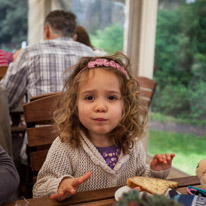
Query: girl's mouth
pixel 100 119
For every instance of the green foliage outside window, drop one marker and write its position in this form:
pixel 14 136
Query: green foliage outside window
pixel 13 23
pixel 180 61
pixel 110 40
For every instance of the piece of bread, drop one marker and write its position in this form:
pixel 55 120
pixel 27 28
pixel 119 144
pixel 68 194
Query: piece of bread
pixel 151 185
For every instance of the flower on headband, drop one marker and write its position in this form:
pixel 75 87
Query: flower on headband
pixel 91 64
pixel 99 62
pixel 105 62
pixel 113 64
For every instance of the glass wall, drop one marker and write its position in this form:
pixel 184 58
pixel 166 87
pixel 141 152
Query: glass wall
pixel 178 111
pixel 104 21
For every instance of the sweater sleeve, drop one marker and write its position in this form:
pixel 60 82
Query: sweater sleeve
pixel 56 166
pixel 9 180
pixel 143 168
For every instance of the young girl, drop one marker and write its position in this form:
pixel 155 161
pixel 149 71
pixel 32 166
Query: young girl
pixel 100 123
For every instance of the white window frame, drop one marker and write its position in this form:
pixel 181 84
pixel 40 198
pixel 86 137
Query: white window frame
pixel 139 38
pixel 139 35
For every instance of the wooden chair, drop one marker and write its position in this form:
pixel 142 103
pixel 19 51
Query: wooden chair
pixel 147 89
pixel 40 130
pixel 3 70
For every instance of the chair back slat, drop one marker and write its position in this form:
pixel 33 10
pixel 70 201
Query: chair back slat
pixel 37 159
pixel 41 135
pixel 43 95
pixel 147 89
pixel 40 111
pixel 146 93
pixel 146 82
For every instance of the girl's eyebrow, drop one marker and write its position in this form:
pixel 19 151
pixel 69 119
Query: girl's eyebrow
pixel 88 91
pixel 114 92
pixel 93 91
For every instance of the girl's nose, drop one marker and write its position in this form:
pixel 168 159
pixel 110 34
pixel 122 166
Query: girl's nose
pixel 100 107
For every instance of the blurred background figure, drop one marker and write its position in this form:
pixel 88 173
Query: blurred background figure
pixel 5 58
pixel 82 36
pixel 5 129
pixel 9 180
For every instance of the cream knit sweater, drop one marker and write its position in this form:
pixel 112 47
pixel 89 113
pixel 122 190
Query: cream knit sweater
pixel 63 161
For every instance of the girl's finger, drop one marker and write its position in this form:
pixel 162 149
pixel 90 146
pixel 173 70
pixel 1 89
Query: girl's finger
pixel 158 157
pixel 62 194
pixel 172 155
pixel 86 176
pixel 167 159
pixel 56 196
pixel 153 163
pixel 81 179
pixel 168 156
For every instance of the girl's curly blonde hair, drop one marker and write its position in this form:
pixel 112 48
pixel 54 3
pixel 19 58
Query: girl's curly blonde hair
pixel 134 117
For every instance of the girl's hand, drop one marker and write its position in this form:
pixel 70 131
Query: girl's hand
pixel 68 187
pixel 162 161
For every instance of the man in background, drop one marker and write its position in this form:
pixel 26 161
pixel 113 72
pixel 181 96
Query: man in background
pixel 38 69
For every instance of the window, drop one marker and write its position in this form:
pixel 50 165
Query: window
pixel 103 20
pixel 13 24
pixel 178 112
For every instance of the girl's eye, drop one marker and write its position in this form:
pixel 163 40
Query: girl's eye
pixel 89 98
pixel 112 98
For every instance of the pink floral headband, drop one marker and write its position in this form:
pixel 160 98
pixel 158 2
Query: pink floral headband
pixel 106 63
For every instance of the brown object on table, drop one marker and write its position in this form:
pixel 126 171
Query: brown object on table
pixel 3 70
pixel 103 197
pixel 40 129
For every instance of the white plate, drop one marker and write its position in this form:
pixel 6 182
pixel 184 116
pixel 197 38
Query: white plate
pixel 118 194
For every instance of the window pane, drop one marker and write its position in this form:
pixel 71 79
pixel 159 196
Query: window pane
pixel 13 24
pixel 178 118
pixel 104 20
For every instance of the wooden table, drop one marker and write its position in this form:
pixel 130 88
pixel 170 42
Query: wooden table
pixel 103 197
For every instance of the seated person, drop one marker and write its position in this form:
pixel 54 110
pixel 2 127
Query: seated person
pixel 5 58
pixel 83 37
pixel 9 177
pixel 39 67
pixel 100 124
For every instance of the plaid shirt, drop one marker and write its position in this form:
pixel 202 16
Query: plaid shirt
pixel 5 58
pixel 39 68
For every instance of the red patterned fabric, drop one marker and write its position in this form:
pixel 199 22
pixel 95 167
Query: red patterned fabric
pixel 5 58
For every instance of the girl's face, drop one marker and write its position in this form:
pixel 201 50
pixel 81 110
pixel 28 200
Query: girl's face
pixel 100 103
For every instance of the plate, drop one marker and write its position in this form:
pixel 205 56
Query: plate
pixel 118 194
